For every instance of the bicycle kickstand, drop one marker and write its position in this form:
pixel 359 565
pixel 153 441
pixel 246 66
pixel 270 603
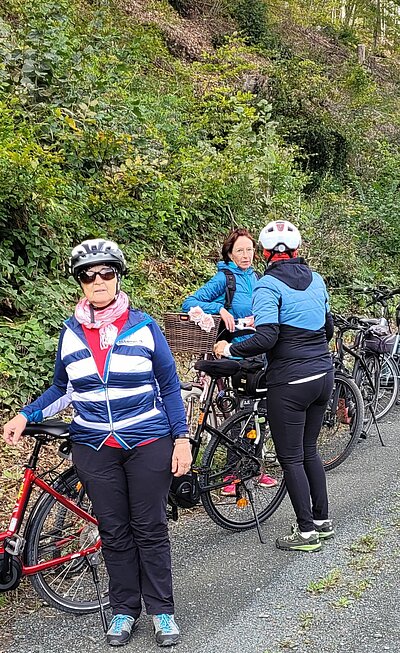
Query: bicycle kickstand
pixel 375 421
pixel 93 563
pixel 250 494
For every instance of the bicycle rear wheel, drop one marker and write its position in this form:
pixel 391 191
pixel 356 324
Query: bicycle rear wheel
pixel 221 466
pixel 56 531
pixel 388 387
pixel 366 376
pixel 343 422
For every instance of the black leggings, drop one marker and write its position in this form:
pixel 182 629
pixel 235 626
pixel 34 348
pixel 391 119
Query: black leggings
pixel 295 414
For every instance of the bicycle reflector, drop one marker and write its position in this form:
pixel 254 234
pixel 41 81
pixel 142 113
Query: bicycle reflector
pixel 251 435
pixel 242 502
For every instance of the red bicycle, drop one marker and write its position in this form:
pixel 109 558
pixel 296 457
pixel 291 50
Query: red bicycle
pixel 55 541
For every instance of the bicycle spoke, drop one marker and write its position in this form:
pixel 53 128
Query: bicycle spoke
pixel 56 532
pixel 228 475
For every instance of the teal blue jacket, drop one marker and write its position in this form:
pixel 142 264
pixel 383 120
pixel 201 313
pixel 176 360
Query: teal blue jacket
pixel 211 296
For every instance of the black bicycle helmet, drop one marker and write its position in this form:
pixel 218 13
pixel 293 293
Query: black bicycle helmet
pixel 95 252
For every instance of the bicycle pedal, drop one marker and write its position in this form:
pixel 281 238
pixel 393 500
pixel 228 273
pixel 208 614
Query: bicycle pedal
pixel 15 545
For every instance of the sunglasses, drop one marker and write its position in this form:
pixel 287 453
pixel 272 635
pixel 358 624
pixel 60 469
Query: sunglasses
pixel 88 276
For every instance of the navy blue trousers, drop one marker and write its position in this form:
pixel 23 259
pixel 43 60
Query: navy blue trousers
pixel 295 414
pixel 129 491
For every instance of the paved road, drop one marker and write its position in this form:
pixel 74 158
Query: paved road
pixel 233 593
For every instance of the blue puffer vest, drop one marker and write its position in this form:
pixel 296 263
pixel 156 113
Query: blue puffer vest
pixel 137 399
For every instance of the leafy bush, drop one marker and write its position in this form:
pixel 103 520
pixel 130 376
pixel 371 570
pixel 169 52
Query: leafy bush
pixel 104 133
pixel 27 355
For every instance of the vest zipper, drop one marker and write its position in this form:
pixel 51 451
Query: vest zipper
pixel 104 379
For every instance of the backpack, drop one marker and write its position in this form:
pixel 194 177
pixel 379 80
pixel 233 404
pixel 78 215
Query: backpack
pixel 231 287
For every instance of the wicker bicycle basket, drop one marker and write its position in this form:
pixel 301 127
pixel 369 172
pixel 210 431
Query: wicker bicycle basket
pixel 184 336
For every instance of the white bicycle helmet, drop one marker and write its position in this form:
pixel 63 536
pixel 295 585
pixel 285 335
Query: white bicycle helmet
pixel 280 236
pixel 95 252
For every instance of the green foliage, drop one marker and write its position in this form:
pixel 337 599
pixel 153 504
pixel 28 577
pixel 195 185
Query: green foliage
pixel 251 16
pixel 27 354
pixel 104 133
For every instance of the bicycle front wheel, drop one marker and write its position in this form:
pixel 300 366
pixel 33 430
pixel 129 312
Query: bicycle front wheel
pixel 56 531
pixel 343 422
pixel 228 478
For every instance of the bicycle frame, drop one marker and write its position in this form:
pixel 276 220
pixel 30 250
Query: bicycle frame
pixel 341 349
pixel 203 426
pixel 12 547
pixel 236 448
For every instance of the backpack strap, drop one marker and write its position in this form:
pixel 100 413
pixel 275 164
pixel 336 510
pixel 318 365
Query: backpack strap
pixel 230 288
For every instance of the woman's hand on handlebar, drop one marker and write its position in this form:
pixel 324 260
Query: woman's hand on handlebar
pixel 228 319
pixel 12 430
pixel 219 348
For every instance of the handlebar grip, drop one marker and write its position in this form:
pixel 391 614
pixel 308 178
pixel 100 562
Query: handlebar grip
pixel 230 335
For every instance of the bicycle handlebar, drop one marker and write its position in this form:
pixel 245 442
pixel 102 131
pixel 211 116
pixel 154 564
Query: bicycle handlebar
pixel 381 294
pixel 237 333
pixel 353 322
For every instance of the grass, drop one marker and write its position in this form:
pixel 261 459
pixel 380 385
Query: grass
pixel 328 582
pixel 365 562
pixel 365 544
pixel 306 620
pixel 288 644
pixel 358 589
pixel 342 602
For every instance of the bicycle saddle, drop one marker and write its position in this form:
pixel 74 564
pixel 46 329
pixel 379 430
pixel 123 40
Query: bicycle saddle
pixel 216 369
pixel 55 428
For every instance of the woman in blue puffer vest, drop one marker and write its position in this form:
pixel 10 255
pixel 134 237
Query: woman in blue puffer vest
pixel 129 435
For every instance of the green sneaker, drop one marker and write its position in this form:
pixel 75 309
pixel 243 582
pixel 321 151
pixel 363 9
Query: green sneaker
pixel 325 530
pixel 296 542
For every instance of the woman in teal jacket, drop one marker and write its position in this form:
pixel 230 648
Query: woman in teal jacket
pixel 237 254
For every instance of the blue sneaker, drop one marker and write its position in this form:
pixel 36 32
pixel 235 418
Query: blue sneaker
pixel 166 630
pixel 121 629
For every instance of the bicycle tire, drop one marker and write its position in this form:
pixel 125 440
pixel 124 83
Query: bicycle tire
pixel 56 531
pixel 343 422
pixel 369 392
pixel 191 404
pixel 224 510
pixel 388 387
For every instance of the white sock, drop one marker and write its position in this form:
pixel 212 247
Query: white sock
pixel 307 534
pixel 319 522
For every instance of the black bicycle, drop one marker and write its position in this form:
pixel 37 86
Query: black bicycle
pixel 239 453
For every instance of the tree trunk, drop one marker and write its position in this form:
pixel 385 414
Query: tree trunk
pixel 361 53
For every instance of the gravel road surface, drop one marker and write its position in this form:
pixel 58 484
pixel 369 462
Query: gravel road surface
pixel 232 592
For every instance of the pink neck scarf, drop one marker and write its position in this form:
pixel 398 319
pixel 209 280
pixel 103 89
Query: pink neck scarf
pixel 103 319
